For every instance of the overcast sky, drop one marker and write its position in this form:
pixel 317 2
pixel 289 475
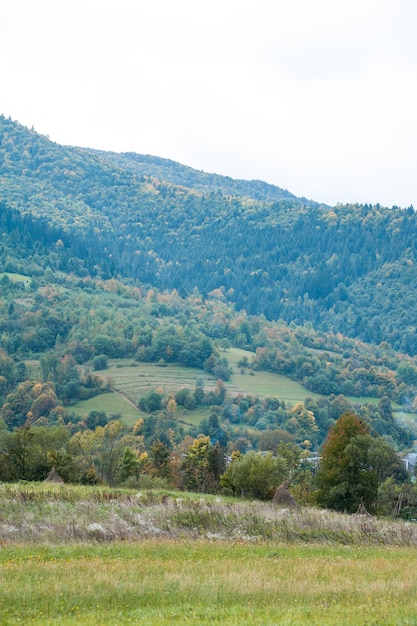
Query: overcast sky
pixel 318 97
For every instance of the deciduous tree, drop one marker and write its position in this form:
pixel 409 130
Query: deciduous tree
pixel 255 475
pixel 346 477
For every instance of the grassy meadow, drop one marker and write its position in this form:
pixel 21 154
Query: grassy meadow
pixel 16 278
pixel 112 403
pixel 133 380
pixel 90 555
pixel 166 582
pixel 263 383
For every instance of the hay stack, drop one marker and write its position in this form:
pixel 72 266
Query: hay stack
pixel 283 497
pixel 362 510
pixel 53 477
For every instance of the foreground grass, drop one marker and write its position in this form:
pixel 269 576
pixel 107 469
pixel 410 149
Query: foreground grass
pixel 98 556
pixel 164 582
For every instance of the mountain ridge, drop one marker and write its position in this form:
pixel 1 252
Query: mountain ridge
pixel 174 172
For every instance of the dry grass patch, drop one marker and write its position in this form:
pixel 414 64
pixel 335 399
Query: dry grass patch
pixel 64 514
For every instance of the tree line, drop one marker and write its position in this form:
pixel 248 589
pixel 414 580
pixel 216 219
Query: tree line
pixel 355 469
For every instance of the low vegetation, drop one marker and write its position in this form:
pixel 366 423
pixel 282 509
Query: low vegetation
pixel 63 514
pixel 72 555
pixel 165 582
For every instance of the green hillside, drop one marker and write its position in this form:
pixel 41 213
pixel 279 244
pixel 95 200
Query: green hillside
pixel 351 269
pixel 87 336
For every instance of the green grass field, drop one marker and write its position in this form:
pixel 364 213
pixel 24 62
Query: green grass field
pixel 111 403
pixel 263 383
pixel 16 278
pixel 114 403
pixel 165 582
pixel 133 380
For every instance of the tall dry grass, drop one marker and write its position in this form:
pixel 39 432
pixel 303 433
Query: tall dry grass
pixel 60 514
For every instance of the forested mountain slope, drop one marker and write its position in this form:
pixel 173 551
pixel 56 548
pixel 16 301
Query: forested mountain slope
pixel 173 172
pixel 350 269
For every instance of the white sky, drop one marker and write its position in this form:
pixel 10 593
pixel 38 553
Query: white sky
pixel 319 97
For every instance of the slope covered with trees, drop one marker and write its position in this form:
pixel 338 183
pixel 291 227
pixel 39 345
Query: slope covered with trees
pixel 350 269
pixel 177 174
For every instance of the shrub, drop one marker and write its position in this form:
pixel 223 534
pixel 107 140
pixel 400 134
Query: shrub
pixel 100 362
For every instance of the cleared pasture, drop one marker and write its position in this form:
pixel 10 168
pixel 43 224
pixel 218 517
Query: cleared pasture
pixel 114 403
pixel 16 278
pixel 263 383
pixel 135 379
pixel 111 403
